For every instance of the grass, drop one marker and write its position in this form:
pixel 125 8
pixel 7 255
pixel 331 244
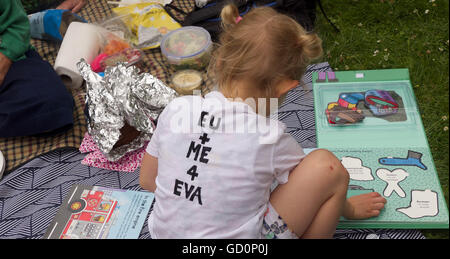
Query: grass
pixel 413 34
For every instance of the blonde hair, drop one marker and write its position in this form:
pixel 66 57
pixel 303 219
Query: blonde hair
pixel 263 48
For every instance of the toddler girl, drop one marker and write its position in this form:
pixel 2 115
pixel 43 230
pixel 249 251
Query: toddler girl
pixel 211 161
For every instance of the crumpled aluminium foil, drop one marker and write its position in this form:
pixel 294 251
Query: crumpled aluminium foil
pixel 122 95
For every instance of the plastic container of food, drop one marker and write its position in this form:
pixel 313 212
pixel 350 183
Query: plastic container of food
pixel 186 81
pixel 187 48
pixel 129 55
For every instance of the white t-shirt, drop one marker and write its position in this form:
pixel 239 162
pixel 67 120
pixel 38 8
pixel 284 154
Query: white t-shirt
pixel 217 160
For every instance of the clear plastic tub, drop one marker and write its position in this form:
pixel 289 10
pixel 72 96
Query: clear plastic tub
pixel 187 48
pixel 185 82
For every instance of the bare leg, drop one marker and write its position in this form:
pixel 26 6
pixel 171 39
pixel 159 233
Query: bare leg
pixel 314 197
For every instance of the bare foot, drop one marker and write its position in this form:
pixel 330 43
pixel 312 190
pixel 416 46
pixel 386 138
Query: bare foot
pixel 364 206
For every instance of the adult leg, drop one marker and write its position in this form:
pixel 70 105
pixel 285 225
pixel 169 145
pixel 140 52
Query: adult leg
pixel 314 197
pixel 33 99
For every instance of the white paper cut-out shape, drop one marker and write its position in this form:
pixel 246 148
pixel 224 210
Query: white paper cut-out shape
pixel 392 178
pixel 423 203
pixel 356 170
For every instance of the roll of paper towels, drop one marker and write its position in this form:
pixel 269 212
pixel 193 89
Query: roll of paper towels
pixel 82 40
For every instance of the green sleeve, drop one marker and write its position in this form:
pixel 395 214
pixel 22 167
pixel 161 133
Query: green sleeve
pixel 14 30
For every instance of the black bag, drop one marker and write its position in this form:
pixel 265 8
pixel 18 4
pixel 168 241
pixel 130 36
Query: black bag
pixel 208 17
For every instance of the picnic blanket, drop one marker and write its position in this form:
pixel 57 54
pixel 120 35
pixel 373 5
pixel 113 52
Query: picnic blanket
pixel 30 196
pixel 19 150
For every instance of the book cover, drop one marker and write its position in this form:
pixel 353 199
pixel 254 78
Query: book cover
pixel 92 212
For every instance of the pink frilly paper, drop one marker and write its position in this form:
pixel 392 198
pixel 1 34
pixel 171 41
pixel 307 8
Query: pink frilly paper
pixel 128 163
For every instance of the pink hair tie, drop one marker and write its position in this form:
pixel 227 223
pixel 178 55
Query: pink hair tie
pixel 238 19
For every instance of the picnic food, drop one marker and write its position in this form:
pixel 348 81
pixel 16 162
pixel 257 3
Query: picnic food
pixel 129 55
pixel 186 81
pixel 187 48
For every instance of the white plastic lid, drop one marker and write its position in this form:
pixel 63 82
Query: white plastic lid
pixel 185 42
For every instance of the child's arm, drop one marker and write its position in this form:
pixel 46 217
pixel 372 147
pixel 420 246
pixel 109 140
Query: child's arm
pixel 149 164
pixel 149 170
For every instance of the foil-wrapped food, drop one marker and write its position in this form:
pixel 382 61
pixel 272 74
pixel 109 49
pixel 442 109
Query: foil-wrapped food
pixel 123 99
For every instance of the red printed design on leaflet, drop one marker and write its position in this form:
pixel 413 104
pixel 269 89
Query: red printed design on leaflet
pixel 91 215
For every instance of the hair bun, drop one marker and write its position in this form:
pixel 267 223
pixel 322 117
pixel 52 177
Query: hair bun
pixel 229 14
pixel 311 45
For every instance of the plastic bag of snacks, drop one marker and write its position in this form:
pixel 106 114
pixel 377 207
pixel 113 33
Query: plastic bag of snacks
pixel 149 22
pixel 114 49
pixel 128 2
pixel 118 26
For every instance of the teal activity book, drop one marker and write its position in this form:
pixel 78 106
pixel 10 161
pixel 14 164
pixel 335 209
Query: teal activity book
pixel 370 120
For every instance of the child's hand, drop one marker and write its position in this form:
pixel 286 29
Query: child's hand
pixel 364 206
pixel 72 5
pixel 5 63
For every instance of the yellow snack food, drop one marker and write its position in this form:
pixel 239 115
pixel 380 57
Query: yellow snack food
pixel 148 21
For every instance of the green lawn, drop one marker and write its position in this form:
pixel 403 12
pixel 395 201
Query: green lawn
pixel 413 34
